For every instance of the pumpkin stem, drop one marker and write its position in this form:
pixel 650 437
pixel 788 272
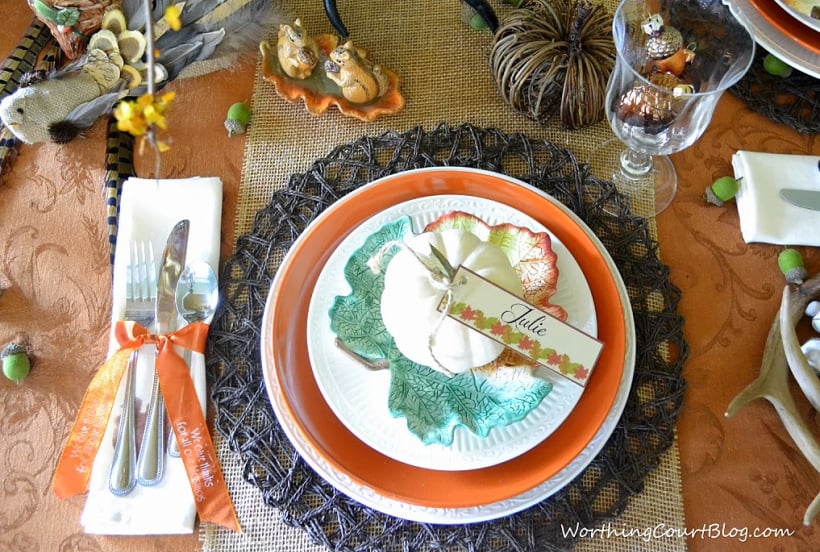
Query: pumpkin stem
pixel 449 271
pixel 583 11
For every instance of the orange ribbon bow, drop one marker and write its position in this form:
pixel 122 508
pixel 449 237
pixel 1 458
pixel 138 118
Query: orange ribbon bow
pixel 213 503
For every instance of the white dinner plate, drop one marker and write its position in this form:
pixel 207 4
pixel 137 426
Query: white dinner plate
pixel 358 396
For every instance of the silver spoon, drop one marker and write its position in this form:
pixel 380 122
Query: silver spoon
pixel 197 295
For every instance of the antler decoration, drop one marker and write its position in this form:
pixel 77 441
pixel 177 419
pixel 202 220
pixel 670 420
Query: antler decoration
pixel 782 352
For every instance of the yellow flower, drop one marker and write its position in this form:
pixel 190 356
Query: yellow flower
pixel 145 100
pixel 172 14
pixel 138 116
pixel 129 118
pixel 154 117
pixel 168 97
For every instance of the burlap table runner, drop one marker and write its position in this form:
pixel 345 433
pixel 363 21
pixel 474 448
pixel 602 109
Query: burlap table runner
pixel 443 65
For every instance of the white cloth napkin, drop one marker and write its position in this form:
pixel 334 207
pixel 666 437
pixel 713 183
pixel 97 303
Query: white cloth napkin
pixel 764 215
pixel 149 209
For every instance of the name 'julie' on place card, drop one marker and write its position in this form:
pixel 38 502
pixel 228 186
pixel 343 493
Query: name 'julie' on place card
pixel 508 319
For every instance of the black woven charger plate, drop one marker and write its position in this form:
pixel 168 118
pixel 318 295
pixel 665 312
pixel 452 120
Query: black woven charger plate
pixel 793 101
pixel 245 418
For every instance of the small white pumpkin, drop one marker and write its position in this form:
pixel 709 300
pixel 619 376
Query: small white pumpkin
pixel 811 349
pixel 410 299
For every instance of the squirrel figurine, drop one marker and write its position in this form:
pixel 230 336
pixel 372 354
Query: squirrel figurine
pixel 359 78
pixel 297 51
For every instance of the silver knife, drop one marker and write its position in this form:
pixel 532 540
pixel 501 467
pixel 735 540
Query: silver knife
pixel 151 461
pixel 808 199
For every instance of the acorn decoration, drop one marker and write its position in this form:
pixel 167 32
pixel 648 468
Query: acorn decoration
pixel 555 56
pixel 16 364
pixel 790 262
pixel 650 107
pixel 664 47
pixel 722 190
pixel 646 107
pixel 776 66
pixel 663 41
pixel 237 119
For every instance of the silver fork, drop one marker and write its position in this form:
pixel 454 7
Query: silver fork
pixel 140 296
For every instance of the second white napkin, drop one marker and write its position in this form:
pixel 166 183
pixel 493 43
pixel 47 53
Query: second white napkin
pixel 764 215
pixel 149 208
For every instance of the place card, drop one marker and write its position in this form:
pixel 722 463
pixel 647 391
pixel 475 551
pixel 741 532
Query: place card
pixel 508 319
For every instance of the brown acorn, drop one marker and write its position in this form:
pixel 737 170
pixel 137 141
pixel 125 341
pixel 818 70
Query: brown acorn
pixel 647 107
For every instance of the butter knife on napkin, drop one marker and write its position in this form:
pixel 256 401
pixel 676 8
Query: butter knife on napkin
pixel 149 208
pixel 764 215
pixel 151 461
pixel 807 199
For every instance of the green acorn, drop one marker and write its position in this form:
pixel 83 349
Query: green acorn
pixel 237 119
pixel 722 190
pixel 16 364
pixel 776 66
pixel 791 265
pixel 477 23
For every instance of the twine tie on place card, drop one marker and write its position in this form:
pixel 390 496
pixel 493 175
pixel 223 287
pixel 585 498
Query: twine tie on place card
pixel 213 503
pixel 447 286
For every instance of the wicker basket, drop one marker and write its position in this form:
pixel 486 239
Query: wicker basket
pixel 72 22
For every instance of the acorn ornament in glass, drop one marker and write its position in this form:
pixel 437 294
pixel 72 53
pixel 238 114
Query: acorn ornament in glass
pixel 675 58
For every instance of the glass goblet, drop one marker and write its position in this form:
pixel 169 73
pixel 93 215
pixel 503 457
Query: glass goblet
pixel 675 58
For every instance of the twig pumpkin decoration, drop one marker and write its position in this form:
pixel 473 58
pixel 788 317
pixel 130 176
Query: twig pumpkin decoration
pixel 555 55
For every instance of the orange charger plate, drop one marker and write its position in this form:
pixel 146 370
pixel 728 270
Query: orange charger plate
pixel 788 25
pixel 388 477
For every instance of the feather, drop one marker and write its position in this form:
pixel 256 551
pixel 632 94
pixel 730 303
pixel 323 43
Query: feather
pixel 130 7
pixel 180 56
pixel 62 132
pixel 69 68
pixel 85 114
pixel 196 10
pixel 171 40
pixel 159 9
pixel 249 27
pixel 210 41
pixel 32 77
pixel 134 14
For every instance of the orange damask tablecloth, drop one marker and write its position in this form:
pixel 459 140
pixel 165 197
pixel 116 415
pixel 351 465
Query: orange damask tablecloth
pixel 737 473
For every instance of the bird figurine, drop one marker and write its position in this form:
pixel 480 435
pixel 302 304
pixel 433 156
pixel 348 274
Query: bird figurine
pixel 59 105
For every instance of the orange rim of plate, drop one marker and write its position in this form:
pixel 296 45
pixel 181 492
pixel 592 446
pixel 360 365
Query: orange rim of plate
pixel 788 25
pixel 326 434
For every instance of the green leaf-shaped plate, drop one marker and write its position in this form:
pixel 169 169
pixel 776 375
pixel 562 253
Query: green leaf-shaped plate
pixel 433 403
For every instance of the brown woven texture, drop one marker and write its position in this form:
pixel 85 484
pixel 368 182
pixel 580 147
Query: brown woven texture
pixel 243 413
pixel 793 101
